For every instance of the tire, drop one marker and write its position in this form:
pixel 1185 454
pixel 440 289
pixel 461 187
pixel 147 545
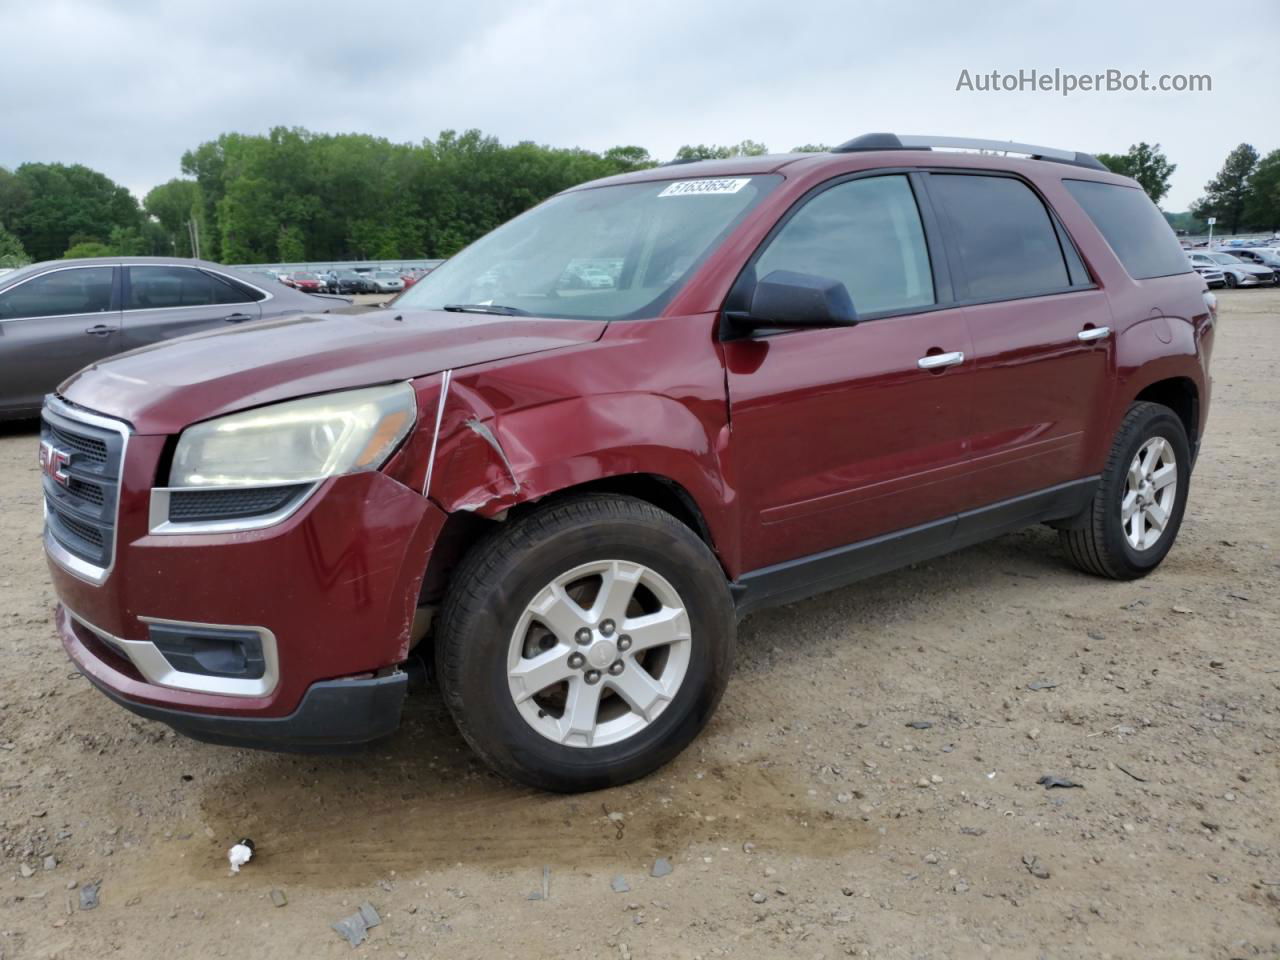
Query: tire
pixel 488 624
pixel 1231 280
pixel 1102 543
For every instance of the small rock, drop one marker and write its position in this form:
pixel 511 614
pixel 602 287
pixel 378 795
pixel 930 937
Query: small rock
pixel 758 897
pixel 748 847
pixel 1033 733
pixel 278 898
pixel 89 895
pixel 847 891
pixel 26 870
pixel 935 779
pixel 661 867
pixel 919 724
pixel 1035 867
pixel 922 782
pixel 961 887
pixel 620 885
pixel 1217 664
pixel 843 797
pixel 50 862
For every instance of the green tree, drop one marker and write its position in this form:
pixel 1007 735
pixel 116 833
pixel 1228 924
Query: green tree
pixel 1147 164
pixel 290 246
pixel 57 201
pixel 811 148
pixel 174 205
pixel 745 148
pixel 88 248
pixel 12 253
pixel 1227 194
pixel 1262 209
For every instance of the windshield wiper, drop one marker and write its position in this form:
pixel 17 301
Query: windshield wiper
pixel 495 308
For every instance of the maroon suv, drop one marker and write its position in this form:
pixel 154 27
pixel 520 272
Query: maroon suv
pixel 564 464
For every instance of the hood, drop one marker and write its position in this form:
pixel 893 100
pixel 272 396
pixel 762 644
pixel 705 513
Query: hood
pixel 167 386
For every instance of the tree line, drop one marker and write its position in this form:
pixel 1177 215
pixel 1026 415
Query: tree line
pixel 293 195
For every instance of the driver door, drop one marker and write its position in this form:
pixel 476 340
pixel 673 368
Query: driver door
pixel 851 433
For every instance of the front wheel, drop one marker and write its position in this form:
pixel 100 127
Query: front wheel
pixel 585 644
pixel 1137 510
pixel 1231 280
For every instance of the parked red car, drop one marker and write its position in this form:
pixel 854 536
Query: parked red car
pixel 307 282
pixel 806 370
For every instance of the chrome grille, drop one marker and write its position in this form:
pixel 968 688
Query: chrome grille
pixel 84 456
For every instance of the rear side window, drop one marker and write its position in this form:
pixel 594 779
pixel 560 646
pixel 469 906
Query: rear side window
pixel 1133 226
pixel 864 233
pixel 1006 242
pixel 152 288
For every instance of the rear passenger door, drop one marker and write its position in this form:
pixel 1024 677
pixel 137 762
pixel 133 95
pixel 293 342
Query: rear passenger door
pixel 1041 329
pixel 166 301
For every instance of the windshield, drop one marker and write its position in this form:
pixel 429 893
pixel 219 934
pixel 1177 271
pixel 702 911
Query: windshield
pixel 605 253
pixel 1223 258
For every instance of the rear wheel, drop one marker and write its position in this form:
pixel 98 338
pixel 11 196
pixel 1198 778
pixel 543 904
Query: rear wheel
pixel 1137 510
pixel 586 644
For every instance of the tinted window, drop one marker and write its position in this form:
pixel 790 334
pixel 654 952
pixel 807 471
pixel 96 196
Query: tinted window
pixel 156 287
pixel 1137 231
pixel 1005 239
pixel 79 290
pixel 864 233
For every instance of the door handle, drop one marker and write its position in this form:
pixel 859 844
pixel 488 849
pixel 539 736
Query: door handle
pixel 237 318
pixel 100 330
pixel 936 361
pixel 1094 333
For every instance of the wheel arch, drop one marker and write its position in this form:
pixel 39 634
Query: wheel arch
pixel 1180 394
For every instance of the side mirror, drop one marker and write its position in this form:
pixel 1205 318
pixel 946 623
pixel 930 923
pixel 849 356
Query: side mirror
pixel 785 298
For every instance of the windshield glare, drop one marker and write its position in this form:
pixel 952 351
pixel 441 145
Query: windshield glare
pixel 604 253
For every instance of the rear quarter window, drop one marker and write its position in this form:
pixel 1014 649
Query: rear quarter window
pixel 1133 227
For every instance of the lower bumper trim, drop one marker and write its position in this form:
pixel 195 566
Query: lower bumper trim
pixel 334 716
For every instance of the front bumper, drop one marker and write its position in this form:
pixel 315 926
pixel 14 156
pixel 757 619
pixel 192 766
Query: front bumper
pixel 334 715
pixel 331 592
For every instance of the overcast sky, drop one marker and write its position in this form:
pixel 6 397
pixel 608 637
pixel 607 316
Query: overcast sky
pixel 125 86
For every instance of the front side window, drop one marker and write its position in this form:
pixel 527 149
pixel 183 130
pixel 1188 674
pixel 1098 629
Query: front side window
pixel 1005 239
pixel 866 234
pixel 604 253
pixel 152 288
pixel 62 292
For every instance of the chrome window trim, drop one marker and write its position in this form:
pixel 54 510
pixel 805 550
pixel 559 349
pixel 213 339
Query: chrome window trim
pixel 77 567
pixel 157 670
pixel 266 294
pixel 158 521
pixel 45 273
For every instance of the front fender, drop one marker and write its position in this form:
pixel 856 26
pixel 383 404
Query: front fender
pixel 489 461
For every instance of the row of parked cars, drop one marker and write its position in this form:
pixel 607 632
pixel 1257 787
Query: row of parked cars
pixel 347 281
pixel 1251 267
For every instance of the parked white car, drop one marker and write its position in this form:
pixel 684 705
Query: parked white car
pixel 1237 272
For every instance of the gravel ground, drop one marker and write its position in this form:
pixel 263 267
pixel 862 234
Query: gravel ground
pixel 868 787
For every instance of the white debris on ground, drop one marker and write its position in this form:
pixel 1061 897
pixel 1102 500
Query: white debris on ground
pixel 240 854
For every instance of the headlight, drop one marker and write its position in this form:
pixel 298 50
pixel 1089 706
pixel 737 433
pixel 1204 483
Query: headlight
pixel 297 441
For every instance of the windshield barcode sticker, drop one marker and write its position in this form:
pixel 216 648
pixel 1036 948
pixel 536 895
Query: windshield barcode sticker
pixel 689 188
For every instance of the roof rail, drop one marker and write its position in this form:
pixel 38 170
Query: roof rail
pixel 891 141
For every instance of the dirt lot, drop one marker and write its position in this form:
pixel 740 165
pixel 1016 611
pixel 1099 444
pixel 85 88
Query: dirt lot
pixel 810 820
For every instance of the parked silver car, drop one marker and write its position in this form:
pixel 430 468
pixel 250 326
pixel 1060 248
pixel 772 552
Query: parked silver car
pixel 384 281
pixel 1238 273
pixel 61 315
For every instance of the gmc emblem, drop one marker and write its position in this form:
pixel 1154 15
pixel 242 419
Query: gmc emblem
pixel 52 461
